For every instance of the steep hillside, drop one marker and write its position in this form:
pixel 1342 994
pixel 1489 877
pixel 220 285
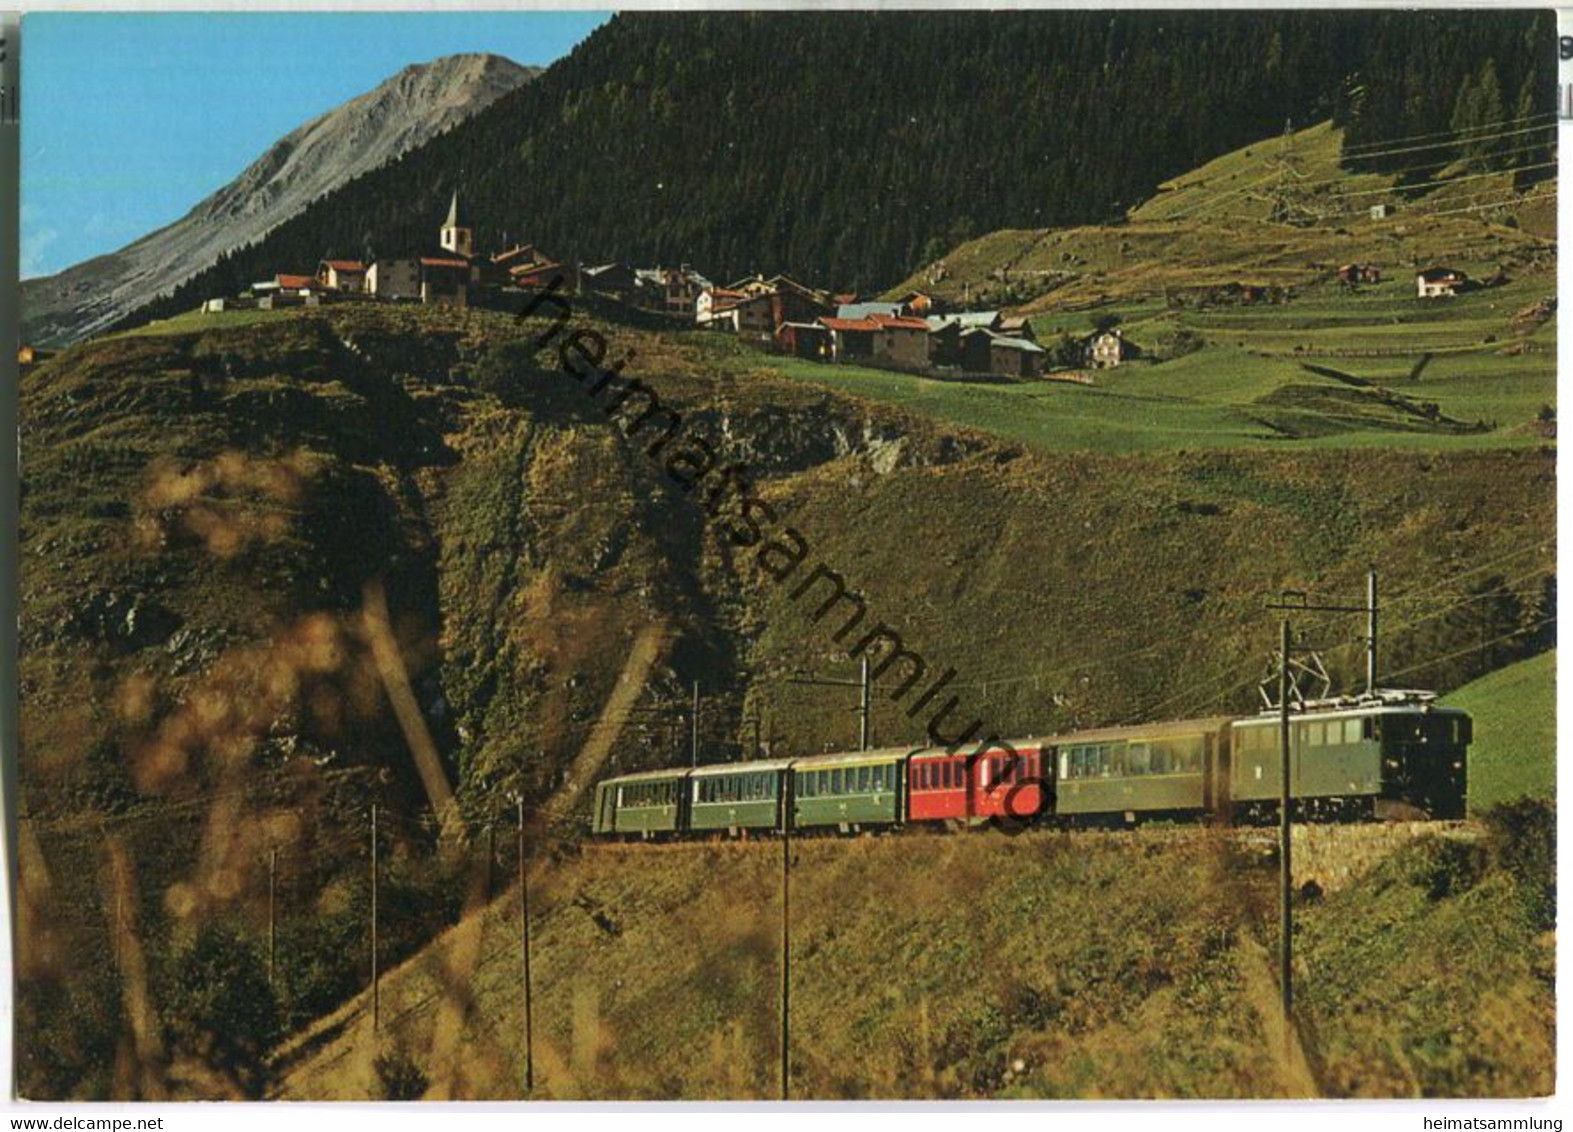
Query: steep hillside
pixel 1282 211
pixel 739 143
pixel 968 967
pixel 278 566
pixel 400 115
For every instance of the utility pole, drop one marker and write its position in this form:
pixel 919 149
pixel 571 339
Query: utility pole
pixel 864 707
pixel 786 936
pixel 273 938
pixel 491 857
pixel 524 945
pixel 1297 600
pixel 376 1005
pixel 693 742
pixel 1370 632
pixel 865 685
pixel 1285 874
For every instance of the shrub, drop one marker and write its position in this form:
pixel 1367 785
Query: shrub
pixel 1444 866
pixel 399 1078
pixel 1521 837
pixel 218 1007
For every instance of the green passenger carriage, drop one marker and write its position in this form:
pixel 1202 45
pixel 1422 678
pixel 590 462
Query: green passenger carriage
pixel 1122 772
pixel 642 805
pixel 737 796
pixel 850 791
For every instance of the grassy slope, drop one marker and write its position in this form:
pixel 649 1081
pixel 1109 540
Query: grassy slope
pixel 1515 748
pixel 1248 384
pixel 926 966
pixel 1428 978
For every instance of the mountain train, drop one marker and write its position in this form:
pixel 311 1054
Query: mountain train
pixel 1391 755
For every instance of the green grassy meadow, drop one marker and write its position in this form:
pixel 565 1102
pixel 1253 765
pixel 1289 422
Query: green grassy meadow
pixel 1332 368
pixel 1514 754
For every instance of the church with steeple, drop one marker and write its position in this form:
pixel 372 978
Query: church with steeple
pixel 447 273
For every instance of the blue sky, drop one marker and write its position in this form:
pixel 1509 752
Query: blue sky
pixel 129 119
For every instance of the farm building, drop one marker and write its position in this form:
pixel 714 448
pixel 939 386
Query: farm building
pixel 614 279
pixel 1017 326
pixel 1353 273
pixel 1014 357
pixel 1109 349
pixel 673 290
pixel 879 337
pixel 856 311
pixel 537 274
pixel 714 305
pixel 804 340
pixel 394 278
pixel 445 279
pixel 341 275
pixel 429 278
pixel 1439 282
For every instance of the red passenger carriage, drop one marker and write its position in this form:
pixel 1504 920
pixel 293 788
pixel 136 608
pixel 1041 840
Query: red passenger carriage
pixel 1000 785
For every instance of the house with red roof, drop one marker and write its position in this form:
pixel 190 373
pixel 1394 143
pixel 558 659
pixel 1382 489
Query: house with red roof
pixel 341 275
pixel 895 340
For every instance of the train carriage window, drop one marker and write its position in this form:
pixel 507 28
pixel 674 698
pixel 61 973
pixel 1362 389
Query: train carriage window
pixel 836 781
pixel 1352 731
pixel 1141 758
pixel 877 779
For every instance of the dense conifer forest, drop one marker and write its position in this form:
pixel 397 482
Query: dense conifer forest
pixel 849 148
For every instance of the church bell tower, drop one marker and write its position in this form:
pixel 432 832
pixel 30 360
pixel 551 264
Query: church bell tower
pixel 456 234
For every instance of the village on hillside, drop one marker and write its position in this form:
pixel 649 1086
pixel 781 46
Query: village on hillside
pixel 915 333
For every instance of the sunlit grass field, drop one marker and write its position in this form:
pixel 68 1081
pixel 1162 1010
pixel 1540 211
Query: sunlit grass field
pixel 1514 754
